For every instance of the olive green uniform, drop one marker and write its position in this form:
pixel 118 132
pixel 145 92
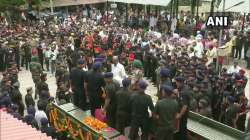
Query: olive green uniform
pixel 111 90
pixel 167 109
pixel 36 70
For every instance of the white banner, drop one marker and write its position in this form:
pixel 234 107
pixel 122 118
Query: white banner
pixel 145 2
pixel 241 6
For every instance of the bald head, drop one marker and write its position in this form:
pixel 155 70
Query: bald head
pixel 115 59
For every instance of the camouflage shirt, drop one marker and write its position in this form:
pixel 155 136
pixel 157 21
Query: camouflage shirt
pixel 36 70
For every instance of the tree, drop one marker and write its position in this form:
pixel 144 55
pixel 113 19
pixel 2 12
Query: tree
pixel 185 3
pixel 193 5
pixel 11 2
pixel 11 9
pixel 6 4
pixel 36 3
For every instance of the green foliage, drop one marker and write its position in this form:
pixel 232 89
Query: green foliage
pixel 184 2
pixel 11 2
pixel 34 2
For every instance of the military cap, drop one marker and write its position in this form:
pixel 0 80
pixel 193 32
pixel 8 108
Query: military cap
pixel 43 75
pixel 231 99
pixel 28 118
pixel 97 65
pixel 200 67
pixel 200 77
pixel 226 93
pixel 51 98
pixel 237 77
pixel 126 82
pixel 44 121
pixel 31 110
pixel 5 101
pixel 14 107
pixel 137 64
pixel 142 84
pixel 167 89
pixel 5 93
pixel 44 94
pixel 99 59
pixel 163 62
pixel 16 115
pixel 180 79
pixel 81 62
pixel 164 72
pixel 108 75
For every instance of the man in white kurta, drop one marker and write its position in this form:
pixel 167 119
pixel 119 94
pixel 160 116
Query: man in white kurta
pixel 234 69
pixel 199 49
pixel 118 70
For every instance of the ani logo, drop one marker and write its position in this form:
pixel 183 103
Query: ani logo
pixel 217 21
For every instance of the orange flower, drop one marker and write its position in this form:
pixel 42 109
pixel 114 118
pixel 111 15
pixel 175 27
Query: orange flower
pixel 95 123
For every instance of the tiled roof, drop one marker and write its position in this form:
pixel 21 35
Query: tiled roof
pixel 14 129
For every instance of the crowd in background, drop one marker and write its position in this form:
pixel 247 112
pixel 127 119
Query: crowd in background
pixel 100 63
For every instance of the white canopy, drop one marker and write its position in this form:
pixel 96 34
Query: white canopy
pixel 145 2
pixel 59 3
pixel 241 8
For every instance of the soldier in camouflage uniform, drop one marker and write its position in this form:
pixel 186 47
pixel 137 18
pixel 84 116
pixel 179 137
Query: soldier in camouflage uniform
pixel 137 74
pixel 162 64
pixel 36 70
pixel 42 85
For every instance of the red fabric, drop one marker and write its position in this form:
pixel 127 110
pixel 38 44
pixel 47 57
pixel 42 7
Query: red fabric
pixel 198 26
pixel 131 56
pixel 90 46
pixel 90 41
pixel 243 108
pixel 242 72
pixel 100 115
pixel 98 49
pixel 129 45
pixel 34 52
pixel 203 41
pixel 114 45
pixel 105 40
pixel 221 59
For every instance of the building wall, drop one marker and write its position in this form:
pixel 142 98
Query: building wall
pixel 204 8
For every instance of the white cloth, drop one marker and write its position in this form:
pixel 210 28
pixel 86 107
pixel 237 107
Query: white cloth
pixel 53 55
pixel 99 17
pixel 39 115
pixel 233 69
pixel 47 53
pixel 119 72
pixel 72 47
pixel 191 54
pixel 173 24
pixel 152 21
pixel 198 49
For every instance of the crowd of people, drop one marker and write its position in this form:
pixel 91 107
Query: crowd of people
pixel 102 65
